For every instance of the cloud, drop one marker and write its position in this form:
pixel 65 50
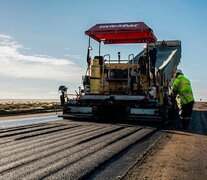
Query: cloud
pixel 196 80
pixel 13 63
pixel 26 92
pixel 4 37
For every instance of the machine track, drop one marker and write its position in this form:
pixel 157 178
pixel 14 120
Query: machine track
pixel 67 149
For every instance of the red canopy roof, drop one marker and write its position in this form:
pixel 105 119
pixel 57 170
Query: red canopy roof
pixel 118 33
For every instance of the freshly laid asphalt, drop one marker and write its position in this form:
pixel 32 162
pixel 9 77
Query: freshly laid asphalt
pixel 64 149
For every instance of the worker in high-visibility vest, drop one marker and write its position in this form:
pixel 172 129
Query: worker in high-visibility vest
pixel 182 91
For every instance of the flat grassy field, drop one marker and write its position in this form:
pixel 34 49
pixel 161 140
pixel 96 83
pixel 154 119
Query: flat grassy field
pixel 24 107
pixel 200 106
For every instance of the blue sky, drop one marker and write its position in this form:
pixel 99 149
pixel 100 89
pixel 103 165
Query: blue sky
pixel 43 45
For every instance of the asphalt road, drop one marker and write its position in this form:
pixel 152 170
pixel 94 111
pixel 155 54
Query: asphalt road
pixel 51 148
pixel 67 149
pixel 14 121
pixel 198 123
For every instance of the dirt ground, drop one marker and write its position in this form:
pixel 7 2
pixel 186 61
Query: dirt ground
pixel 179 155
pixel 200 106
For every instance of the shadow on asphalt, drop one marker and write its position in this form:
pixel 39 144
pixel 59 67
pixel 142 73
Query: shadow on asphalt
pixel 198 123
pixel 158 124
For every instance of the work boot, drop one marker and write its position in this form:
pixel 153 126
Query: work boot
pixel 185 123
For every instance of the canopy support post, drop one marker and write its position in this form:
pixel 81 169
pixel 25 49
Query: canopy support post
pixel 88 56
pixel 148 64
pixel 99 50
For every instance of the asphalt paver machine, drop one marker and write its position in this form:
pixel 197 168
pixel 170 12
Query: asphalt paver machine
pixel 133 88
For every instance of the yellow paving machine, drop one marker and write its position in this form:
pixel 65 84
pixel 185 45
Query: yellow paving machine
pixel 133 88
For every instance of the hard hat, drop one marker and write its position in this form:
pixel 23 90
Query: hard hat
pixel 179 71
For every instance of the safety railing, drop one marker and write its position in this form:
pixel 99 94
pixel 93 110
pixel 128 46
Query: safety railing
pixel 129 61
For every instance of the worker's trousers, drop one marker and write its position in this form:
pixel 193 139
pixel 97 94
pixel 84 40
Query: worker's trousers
pixel 185 114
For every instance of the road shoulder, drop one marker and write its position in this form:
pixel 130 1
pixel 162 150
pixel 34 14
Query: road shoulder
pixel 178 155
pixel 29 115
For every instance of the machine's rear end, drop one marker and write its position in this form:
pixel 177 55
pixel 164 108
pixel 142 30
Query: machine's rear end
pixel 133 88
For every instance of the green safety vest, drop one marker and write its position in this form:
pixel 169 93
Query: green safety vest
pixel 182 89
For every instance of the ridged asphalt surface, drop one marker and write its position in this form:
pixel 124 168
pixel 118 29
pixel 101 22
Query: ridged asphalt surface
pixel 198 123
pixel 62 150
